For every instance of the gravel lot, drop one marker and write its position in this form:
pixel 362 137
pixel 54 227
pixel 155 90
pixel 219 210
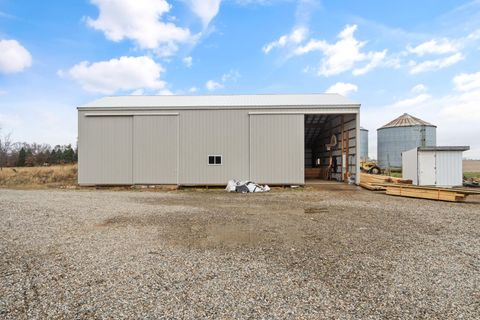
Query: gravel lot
pixel 338 252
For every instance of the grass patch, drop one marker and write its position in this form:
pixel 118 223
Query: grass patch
pixel 396 174
pixel 471 175
pixel 25 177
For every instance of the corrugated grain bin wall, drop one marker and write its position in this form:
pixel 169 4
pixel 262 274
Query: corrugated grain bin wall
pixel 402 134
pixel 363 144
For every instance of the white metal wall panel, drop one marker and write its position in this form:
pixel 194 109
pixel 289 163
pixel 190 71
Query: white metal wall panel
pixel 213 132
pixel 409 165
pixel 426 168
pixel 155 149
pixel 105 150
pixel 449 168
pixel 277 149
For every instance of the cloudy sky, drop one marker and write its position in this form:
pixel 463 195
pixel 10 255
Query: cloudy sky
pixel 420 57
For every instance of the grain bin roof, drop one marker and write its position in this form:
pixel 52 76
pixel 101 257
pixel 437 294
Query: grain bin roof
pixel 406 120
pixel 444 148
pixel 224 101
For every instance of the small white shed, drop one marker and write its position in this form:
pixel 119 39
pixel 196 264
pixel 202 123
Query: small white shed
pixel 434 166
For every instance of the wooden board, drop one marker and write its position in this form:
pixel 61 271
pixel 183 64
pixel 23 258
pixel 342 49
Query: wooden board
pixel 372 187
pixel 422 193
pixel 458 190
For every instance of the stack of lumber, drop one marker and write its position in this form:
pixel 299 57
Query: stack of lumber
pixel 404 188
pixel 375 182
pixel 433 193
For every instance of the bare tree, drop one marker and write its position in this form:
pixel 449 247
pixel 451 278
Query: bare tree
pixel 5 149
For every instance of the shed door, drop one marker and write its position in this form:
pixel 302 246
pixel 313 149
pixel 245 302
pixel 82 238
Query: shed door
pixel 155 149
pixel 427 168
pixel 277 148
pixel 105 155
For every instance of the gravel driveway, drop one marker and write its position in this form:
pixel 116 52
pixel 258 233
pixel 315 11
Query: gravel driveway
pixel 336 253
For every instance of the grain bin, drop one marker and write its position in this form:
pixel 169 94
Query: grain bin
pixel 363 144
pixel 404 133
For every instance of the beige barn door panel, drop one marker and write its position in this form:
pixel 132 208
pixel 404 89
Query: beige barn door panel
pixel 105 151
pixel 277 148
pixel 155 151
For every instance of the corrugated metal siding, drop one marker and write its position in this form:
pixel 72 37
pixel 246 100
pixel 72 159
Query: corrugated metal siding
pixel 105 150
pixel 393 141
pixel 155 149
pixel 363 144
pixel 213 132
pixel 410 165
pixel 449 168
pixel 277 149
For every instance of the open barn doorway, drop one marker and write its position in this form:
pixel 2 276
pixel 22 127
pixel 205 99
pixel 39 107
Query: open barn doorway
pixel 330 147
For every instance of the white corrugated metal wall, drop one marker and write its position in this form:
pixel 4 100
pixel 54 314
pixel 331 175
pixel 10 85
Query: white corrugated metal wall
pixel 449 168
pixel 155 149
pixel 277 148
pixel 105 150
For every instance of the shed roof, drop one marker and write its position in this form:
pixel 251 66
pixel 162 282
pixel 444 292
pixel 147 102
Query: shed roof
pixel 444 148
pixel 406 120
pixel 327 100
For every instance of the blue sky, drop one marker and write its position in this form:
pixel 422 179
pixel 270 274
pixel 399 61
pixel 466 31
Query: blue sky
pixel 420 57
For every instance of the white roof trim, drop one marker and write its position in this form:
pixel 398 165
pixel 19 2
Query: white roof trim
pixel 221 102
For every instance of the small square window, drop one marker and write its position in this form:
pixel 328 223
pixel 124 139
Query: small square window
pixel 214 160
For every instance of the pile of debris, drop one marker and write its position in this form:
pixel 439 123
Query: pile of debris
pixel 471 182
pixel 245 186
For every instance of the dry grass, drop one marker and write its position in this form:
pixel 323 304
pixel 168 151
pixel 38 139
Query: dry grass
pixel 471 165
pixel 32 177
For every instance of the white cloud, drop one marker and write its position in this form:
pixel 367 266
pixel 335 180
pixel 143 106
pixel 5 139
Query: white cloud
pixel 442 46
pixel 419 99
pixel 13 57
pixel 122 74
pixel 466 82
pixel 295 37
pixel 231 76
pixel 188 61
pixel 376 58
pixel 419 88
pixel 259 2
pixel 206 10
pixel 138 92
pixel 343 55
pixel 165 92
pixel 3 92
pixel 139 20
pixel 436 64
pixel 212 85
pixel 193 89
pixel 342 88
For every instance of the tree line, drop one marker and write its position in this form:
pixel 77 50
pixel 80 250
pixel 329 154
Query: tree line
pixel 23 154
